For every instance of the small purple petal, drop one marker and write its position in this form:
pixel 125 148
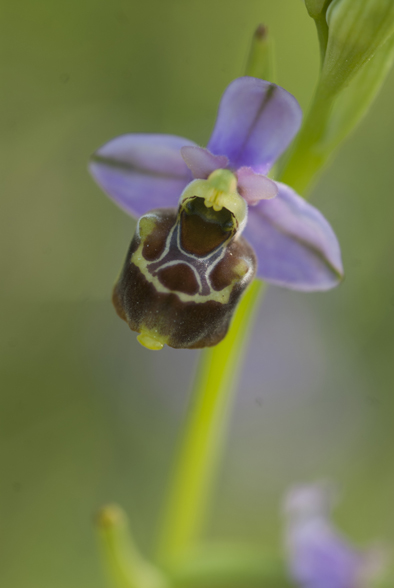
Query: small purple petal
pixel 295 245
pixel 201 162
pixel 141 172
pixel 318 556
pixel 255 187
pixel 256 122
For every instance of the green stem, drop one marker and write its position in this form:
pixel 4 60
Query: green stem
pixel 212 396
pixel 322 33
pixel 223 565
pixel 309 152
pixel 203 438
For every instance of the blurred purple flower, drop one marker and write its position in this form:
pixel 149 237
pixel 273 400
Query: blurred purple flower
pixel 295 246
pixel 318 556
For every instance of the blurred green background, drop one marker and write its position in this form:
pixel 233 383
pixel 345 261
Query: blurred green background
pixel 89 416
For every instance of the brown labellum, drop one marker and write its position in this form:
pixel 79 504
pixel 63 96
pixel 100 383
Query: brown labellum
pixel 183 276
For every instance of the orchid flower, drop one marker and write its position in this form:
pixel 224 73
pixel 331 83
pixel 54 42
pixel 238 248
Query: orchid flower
pixel 318 556
pixel 294 244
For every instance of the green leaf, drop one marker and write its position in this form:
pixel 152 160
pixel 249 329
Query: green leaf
pixel 354 101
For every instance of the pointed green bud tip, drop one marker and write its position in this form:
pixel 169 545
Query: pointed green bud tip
pixel 260 62
pixel 124 562
pixel 261 33
pixel 110 516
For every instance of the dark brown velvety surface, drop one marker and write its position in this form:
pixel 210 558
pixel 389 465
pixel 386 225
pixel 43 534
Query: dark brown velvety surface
pixel 200 237
pixel 224 273
pixel 155 242
pixel 179 278
pixel 184 324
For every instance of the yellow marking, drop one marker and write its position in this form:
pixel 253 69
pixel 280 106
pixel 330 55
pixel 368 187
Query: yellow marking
pixel 146 224
pixel 222 296
pixel 241 269
pixel 150 341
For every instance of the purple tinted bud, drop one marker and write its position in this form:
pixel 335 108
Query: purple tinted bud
pixel 318 555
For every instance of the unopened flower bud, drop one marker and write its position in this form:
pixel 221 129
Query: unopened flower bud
pixel 357 29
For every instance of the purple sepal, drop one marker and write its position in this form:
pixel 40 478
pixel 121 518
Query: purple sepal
pixel 295 245
pixel 201 162
pixel 141 172
pixel 255 123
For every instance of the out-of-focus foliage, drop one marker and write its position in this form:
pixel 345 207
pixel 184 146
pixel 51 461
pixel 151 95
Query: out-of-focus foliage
pixel 88 416
pixel 357 51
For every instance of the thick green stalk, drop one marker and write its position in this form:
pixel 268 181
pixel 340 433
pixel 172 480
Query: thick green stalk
pixel 203 438
pixel 309 153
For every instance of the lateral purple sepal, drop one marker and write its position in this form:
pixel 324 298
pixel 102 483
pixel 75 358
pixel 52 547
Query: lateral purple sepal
pixel 141 171
pixel 295 245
